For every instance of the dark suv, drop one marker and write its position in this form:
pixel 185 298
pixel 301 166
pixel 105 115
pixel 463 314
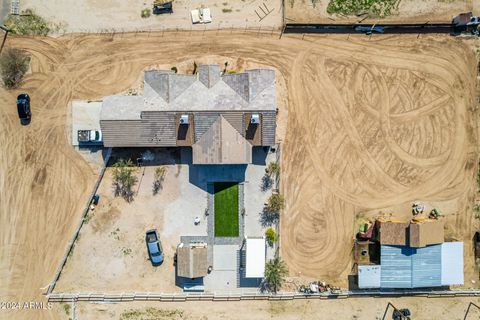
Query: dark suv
pixel 23 107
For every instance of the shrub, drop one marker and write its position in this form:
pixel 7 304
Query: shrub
pixel 380 8
pixel 27 23
pixel 226 10
pixel 13 66
pixel 124 179
pixel 158 179
pixel 146 13
pixel 271 236
pixel 174 69
pixel 275 272
pixel 275 203
pixel 272 169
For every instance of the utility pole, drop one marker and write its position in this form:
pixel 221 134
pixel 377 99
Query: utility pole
pixel 4 37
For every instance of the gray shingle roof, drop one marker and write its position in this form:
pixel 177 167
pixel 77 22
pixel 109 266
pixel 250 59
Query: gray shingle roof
pixel 149 120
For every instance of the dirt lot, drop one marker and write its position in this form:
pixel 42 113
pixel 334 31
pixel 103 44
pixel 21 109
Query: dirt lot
pixel 303 11
pixel 395 125
pixel 99 15
pixel 355 309
pixel 339 158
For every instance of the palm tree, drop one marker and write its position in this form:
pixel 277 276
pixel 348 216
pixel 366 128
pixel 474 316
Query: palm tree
pixel 275 272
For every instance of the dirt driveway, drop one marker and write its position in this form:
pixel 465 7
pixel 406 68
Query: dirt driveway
pixel 331 167
pixel 99 15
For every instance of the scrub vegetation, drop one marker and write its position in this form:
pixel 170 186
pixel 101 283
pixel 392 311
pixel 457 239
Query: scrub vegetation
pixel 377 8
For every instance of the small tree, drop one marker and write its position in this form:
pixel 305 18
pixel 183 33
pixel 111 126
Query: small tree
pixel 158 179
pixel 273 169
pixel 275 203
pixel 275 272
pixel 271 236
pixel 145 13
pixel 13 66
pixel 124 179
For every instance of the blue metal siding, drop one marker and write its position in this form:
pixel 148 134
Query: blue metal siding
pixel 427 267
pixel 404 267
pixel 396 267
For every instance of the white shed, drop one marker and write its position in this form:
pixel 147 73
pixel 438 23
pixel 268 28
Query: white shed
pixel 256 253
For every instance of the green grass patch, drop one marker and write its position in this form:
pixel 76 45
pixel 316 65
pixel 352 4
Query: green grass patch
pixel 226 209
pixel 376 8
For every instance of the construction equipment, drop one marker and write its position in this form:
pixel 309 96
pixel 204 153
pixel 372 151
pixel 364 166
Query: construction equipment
pixel 434 214
pixel 398 314
pixel 417 208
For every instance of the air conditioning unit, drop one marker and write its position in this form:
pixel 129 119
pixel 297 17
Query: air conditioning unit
pixel 255 119
pixel 184 119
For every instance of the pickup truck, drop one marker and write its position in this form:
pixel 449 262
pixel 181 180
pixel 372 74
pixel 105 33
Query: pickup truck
pixel 89 136
pixel 154 247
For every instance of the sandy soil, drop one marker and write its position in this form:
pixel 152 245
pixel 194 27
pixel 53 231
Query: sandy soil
pixel 303 11
pixel 332 165
pixel 100 16
pixel 375 133
pixel 110 254
pixel 355 309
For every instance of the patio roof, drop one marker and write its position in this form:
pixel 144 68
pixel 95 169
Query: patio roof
pixel 192 260
pixel 255 258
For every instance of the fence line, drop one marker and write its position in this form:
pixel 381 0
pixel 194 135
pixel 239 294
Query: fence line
pixel 80 224
pixel 116 33
pixel 152 296
pixel 278 186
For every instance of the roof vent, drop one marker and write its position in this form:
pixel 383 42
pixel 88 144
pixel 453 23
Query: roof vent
pixel 184 119
pixel 255 119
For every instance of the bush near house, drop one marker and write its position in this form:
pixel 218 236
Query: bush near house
pixel 275 203
pixel 271 236
pixel 124 179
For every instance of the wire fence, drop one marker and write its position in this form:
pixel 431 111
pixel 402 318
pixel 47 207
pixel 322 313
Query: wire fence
pixel 71 244
pixel 163 31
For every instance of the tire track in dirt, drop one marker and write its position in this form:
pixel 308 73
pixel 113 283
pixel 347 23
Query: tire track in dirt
pixel 323 191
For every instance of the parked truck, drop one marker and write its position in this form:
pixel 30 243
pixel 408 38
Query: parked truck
pixel 89 136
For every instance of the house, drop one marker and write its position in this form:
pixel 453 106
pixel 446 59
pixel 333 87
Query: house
pixel 221 117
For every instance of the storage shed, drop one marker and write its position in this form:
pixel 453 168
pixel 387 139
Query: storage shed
pixel 192 260
pixel 406 267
